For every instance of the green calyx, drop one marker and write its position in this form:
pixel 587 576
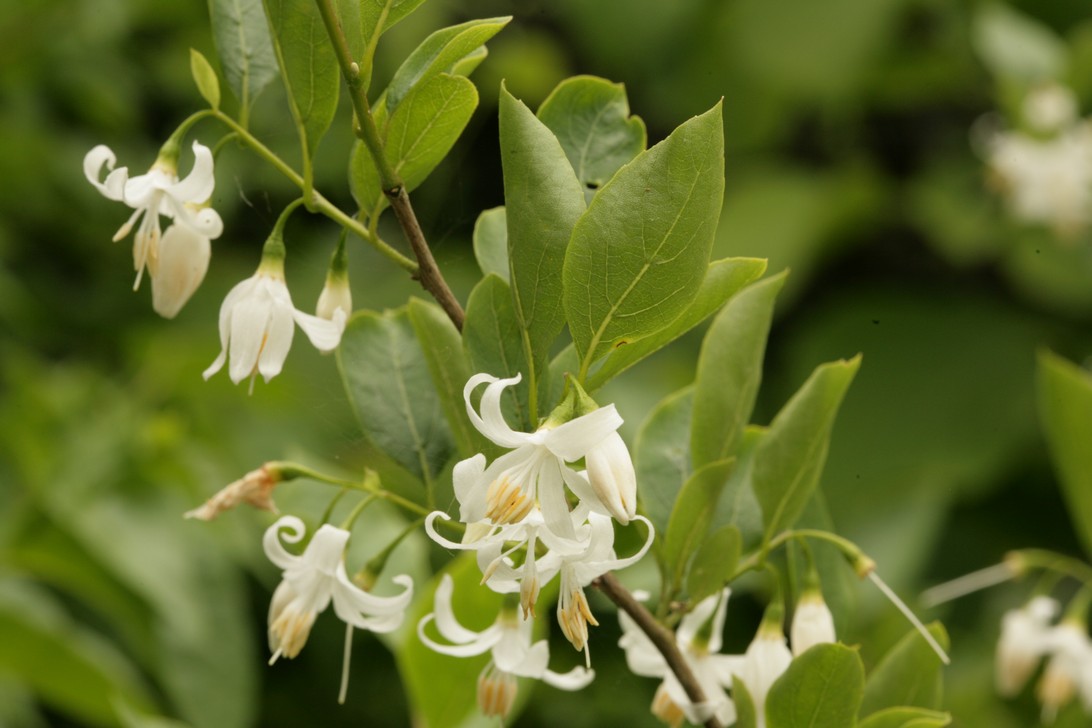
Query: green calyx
pixel 576 403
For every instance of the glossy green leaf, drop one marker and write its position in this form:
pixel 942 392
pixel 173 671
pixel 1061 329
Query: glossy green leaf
pixel 491 335
pixel 661 456
pixel 439 53
pixel 241 34
pixel 389 384
pixel 737 505
pixel 420 134
pixel 790 458
pixel 1015 46
pixel 714 563
pixel 821 689
pixel 1065 409
pixel 382 15
pixel 690 519
pixel 562 366
pixel 723 279
pixel 447 361
pixel 443 689
pixel 746 715
pixel 730 371
pixel 491 243
pixel 638 255
pixel 908 675
pixel 590 117
pixel 309 67
pixel 205 78
pixel 69 667
pixel 906 717
pixel 543 200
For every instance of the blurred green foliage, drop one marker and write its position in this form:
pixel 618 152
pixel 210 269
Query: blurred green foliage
pixel 848 161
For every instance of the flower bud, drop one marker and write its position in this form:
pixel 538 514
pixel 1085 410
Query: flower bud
pixel 610 472
pixel 181 263
pixel 335 294
pixel 812 623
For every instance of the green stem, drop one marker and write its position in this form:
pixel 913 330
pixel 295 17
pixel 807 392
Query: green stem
pixel 320 203
pixel 1050 561
pixel 354 514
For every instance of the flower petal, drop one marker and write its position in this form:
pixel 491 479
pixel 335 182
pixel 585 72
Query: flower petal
pixel 469 490
pixel 278 340
pixel 692 623
pixel 551 498
pixel 445 616
pixel 326 549
pixel 325 334
pixel 485 641
pixel 198 185
pixel 575 679
pixel 114 184
pixel 572 440
pixel 642 657
pixel 369 611
pixel 183 261
pixel 491 422
pixel 271 541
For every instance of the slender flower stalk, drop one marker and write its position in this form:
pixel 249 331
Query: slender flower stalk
pixel 925 633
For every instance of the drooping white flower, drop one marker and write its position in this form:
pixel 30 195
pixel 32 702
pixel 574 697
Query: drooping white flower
pixel 314 579
pixel 1025 638
pixel 812 622
pixel 159 192
pixel 611 474
pixel 510 644
pixel 1068 671
pixel 257 324
pixel 536 470
pixel 766 659
pixel 699 640
pixel 183 261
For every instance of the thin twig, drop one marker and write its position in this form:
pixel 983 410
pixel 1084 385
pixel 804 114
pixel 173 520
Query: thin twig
pixel 661 637
pixel 428 274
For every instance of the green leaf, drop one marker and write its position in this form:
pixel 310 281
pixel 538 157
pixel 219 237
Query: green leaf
pixel 908 675
pixel 420 133
pixel 205 78
pixel 730 371
pixel 638 255
pixel 439 53
pixel 1065 409
pixel 790 457
pixel 821 689
pixel 690 519
pixel 662 456
pixel 68 666
pixel 309 66
pixel 443 689
pixel 379 16
pixel 543 200
pixel 1015 46
pixel 443 349
pixel 491 243
pixel 723 280
pixel 746 715
pixel 590 117
pixel 491 335
pixel 906 717
pixel 241 34
pixel 737 505
pixel 387 377
pixel 714 563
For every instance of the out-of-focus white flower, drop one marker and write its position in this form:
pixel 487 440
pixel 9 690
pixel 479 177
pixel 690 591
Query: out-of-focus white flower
pixel 536 470
pixel 699 640
pixel 766 659
pixel 510 644
pixel 257 324
pixel 1025 638
pixel 812 622
pixel 159 192
pixel 183 261
pixel 1050 108
pixel 610 472
pixel 1068 671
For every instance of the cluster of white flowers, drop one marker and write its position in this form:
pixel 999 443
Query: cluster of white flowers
pixel 1045 170
pixel 1028 635
pixel 699 637
pixel 256 318
pixel 517 506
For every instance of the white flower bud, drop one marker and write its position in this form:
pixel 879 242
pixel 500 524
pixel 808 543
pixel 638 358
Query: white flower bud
pixel 812 623
pixel 182 261
pixel 335 294
pixel 610 472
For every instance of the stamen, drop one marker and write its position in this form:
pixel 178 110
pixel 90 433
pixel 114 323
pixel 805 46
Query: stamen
pixel 883 587
pixel 967 584
pixel 276 655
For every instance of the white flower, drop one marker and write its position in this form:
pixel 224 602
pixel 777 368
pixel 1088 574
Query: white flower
pixel 256 326
pixel 509 642
pixel 812 623
pixel 183 261
pixel 766 659
pixel 1068 671
pixel 610 471
pixel 535 472
pixel 699 640
pixel 1025 638
pixel 335 294
pixel 159 192
pixel 314 579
